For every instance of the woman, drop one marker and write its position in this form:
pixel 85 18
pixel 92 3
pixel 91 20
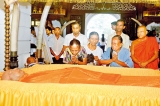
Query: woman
pixel 75 54
pixel 92 47
pixel 116 55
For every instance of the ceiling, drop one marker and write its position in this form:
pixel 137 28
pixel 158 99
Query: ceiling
pixel 156 2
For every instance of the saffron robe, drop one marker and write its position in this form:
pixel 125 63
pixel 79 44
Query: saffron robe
pixel 84 76
pixel 144 50
pixel 71 75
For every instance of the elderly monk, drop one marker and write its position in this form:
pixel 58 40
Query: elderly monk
pixel 66 75
pixel 144 50
pixel 13 74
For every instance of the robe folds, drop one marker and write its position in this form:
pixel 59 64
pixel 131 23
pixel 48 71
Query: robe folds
pixel 84 76
pixel 71 75
pixel 144 50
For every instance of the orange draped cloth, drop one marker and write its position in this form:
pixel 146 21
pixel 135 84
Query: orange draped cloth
pixel 84 76
pixel 145 50
pixel 72 75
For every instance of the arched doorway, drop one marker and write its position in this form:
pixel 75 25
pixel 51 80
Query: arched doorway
pixel 100 23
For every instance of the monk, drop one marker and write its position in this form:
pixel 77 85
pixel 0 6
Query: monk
pixel 66 75
pixel 144 50
pixel 80 75
pixel 13 74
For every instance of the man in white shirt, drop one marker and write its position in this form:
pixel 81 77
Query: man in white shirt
pixel 33 42
pixel 57 46
pixel 120 25
pixel 50 38
pixel 75 35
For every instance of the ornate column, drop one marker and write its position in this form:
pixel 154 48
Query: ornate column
pixel 7 37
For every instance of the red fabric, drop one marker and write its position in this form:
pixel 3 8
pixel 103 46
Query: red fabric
pixel 145 50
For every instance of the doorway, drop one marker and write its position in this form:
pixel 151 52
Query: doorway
pixel 100 23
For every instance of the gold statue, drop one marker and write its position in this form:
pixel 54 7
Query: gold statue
pixel 34 9
pixel 40 10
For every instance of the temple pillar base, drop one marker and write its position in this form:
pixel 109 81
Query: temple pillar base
pixel 13 60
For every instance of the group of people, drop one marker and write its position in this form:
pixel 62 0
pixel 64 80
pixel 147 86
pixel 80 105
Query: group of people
pixel 76 48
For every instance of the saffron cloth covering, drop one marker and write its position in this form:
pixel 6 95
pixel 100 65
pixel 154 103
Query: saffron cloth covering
pixel 16 93
pixel 71 75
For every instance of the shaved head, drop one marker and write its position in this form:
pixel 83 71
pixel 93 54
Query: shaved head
pixel 142 26
pixel 142 32
pixel 13 74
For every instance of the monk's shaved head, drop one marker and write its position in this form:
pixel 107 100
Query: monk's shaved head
pixel 143 27
pixel 142 32
pixel 13 74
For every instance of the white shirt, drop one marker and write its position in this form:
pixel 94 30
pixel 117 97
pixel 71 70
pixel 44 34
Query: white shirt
pixel 126 41
pixel 33 41
pixel 82 38
pixel 113 32
pixel 57 44
pixel 50 40
pixel 97 52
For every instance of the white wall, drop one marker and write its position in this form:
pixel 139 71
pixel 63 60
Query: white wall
pixel 23 35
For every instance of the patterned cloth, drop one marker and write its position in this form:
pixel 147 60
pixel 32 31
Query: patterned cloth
pixel 67 55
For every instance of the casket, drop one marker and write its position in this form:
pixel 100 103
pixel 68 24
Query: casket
pixel 16 93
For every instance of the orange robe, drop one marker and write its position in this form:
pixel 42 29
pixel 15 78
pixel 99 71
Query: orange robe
pixel 71 75
pixel 80 75
pixel 143 51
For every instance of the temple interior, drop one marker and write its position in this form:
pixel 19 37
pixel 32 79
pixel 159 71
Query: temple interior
pixel 75 83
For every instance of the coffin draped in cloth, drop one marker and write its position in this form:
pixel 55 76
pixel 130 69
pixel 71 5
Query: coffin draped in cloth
pixel 84 76
pixel 72 75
